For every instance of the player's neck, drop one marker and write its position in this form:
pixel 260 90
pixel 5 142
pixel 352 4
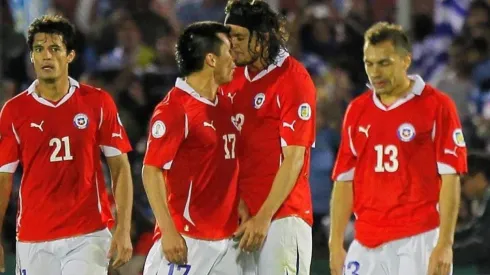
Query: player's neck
pixel 203 84
pixel 258 65
pixel 397 93
pixel 55 90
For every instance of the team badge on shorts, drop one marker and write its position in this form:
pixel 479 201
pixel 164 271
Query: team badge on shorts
pixel 304 111
pixel 406 132
pixel 458 138
pixel 158 129
pixel 80 121
pixel 259 100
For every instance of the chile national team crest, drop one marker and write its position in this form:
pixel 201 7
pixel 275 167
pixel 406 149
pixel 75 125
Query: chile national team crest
pixel 259 100
pixel 406 132
pixel 80 121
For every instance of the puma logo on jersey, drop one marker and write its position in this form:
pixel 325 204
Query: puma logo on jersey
pixel 289 125
pixel 451 152
pixel 365 130
pixel 231 96
pixel 39 126
pixel 207 124
pixel 119 135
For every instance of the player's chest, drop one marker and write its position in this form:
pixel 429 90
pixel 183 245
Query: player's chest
pixel 69 125
pixel 210 127
pixel 397 128
pixel 254 105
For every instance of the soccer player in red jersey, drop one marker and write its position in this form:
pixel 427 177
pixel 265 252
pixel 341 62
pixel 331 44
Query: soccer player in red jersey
pixel 274 107
pixel 397 169
pixel 190 167
pixel 56 130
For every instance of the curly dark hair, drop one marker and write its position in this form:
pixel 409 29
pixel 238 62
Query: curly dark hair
pixel 53 24
pixel 198 40
pixel 269 26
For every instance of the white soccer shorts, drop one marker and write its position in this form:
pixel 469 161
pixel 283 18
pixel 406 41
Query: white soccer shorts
pixel 287 248
pixel 81 255
pixel 221 257
pixel 408 256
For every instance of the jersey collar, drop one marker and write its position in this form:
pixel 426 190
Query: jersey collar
pixel 181 84
pixel 73 86
pixel 417 90
pixel 283 55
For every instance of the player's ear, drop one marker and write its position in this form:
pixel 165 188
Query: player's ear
pixel 407 60
pixel 210 60
pixel 71 56
pixel 32 57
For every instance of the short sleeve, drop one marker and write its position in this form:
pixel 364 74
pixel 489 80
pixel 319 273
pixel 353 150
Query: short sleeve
pixel 168 128
pixel 9 142
pixel 345 164
pixel 298 112
pixel 113 138
pixel 449 141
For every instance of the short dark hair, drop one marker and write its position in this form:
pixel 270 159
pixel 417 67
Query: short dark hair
pixel 53 24
pixel 196 41
pixel 259 18
pixel 383 31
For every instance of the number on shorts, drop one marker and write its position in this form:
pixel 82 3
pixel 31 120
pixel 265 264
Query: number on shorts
pixel 24 272
pixel 351 269
pixel 184 267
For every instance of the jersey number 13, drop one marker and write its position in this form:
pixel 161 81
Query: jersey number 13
pixel 388 153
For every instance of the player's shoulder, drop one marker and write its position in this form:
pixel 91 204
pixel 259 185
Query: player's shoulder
pixel 294 70
pixel 172 103
pixel 17 101
pixel 93 93
pixel 436 97
pixel 362 100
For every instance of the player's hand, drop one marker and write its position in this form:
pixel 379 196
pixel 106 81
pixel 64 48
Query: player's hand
pixel 253 233
pixel 337 259
pixel 243 213
pixel 441 260
pixel 2 259
pixel 121 247
pixel 174 247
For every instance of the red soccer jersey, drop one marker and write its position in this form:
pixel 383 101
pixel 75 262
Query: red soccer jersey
pixel 395 156
pixel 194 141
pixel 59 147
pixel 275 109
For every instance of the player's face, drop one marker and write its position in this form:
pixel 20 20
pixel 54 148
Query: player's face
pixel 240 38
pixel 224 66
pixel 385 67
pixel 50 57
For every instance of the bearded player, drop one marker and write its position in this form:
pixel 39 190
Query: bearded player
pixel 273 100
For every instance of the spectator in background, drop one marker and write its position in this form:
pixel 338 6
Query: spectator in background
pixel 455 79
pixel 203 10
pixel 472 245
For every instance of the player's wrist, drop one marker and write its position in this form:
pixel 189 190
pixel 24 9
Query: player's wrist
pixel 265 215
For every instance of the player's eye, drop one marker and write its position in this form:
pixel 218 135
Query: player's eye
pixel 37 50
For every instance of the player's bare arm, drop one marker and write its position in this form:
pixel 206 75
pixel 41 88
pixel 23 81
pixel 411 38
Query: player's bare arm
pixel 255 230
pixel 5 190
pixel 449 199
pixel 340 213
pixel 173 245
pixel 122 186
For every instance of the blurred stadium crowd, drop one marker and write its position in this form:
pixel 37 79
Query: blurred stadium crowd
pixel 126 47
